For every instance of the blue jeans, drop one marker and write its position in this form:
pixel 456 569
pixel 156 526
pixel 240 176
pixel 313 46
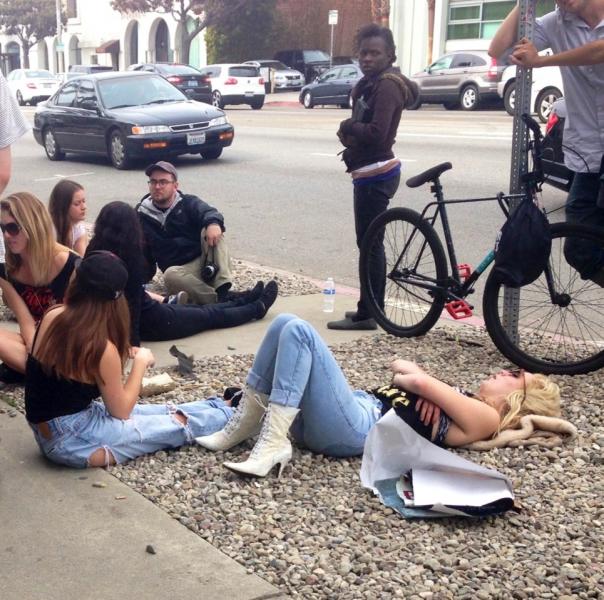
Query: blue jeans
pixel 370 201
pixel 295 368
pixel 151 427
pixel 582 207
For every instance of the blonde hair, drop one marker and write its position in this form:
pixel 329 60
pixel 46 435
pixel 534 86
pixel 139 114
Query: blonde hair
pixel 36 224
pixel 542 397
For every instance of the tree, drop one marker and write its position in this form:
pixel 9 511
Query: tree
pixel 29 20
pixel 240 37
pixel 192 15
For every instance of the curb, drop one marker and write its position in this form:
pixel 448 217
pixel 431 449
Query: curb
pixel 289 103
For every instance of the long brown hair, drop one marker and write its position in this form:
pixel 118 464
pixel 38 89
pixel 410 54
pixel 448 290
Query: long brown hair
pixel 37 226
pixel 59 204
pixel 74 342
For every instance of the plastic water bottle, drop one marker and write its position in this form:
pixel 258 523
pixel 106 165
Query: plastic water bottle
pixel 329 295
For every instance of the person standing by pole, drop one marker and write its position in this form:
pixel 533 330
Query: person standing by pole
pixel 368 136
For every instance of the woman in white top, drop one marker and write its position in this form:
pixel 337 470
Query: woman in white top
pixel 67 207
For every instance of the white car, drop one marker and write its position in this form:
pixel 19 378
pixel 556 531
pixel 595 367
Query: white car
pixel 32 85
pixel 284 77
pixel 546 89
pixel 235 84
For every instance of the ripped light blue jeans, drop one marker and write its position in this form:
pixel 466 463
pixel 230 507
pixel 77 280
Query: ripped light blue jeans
pixel 151 427
pixel 295 368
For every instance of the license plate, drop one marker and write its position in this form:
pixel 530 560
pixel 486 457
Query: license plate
pixel 192 83
pixel 196 138
pixel 249 94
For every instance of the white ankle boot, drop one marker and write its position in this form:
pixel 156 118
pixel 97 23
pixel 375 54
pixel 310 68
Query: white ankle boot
pixel 273 446
pixel 244 423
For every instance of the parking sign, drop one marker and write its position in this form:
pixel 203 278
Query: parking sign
pixel 333 17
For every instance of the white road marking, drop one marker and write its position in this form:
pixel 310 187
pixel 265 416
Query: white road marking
pixel 60 176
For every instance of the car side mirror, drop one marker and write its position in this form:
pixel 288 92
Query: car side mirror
pixel 89 105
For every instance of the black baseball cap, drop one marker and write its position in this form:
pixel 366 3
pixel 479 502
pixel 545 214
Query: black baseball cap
pixel 162 165
pixel 103 274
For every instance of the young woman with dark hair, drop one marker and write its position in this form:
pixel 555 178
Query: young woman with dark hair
pixel 117 229
pixel 63 390
pixel 67 208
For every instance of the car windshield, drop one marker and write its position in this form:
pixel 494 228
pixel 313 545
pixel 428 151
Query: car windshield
pixel 178 70
pixel 135 91
pixel 243 71
pixel 39 75
pixel 315 56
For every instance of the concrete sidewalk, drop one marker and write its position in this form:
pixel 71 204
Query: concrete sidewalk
pixel 82 535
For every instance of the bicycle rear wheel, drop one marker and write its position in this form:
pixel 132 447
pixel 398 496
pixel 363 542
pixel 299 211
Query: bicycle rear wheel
pixel 414 262
pixel 563 334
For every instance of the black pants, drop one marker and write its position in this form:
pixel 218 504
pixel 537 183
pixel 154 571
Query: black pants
pixel 371 200
pixel 160 322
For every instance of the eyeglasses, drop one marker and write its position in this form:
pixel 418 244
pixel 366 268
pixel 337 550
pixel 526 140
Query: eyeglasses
pixel 11 228
pixel 160 182
pixel 517 374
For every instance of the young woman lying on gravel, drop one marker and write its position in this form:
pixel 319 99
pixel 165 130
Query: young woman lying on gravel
pixel 77 357
pixel 294 375
pixel 117 229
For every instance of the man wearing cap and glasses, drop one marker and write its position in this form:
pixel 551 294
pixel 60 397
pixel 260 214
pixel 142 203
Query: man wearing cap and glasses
pixel 184 238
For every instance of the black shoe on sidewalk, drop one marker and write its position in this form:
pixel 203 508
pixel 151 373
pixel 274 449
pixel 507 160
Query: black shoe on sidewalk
pixel 268 297
pixel 350 324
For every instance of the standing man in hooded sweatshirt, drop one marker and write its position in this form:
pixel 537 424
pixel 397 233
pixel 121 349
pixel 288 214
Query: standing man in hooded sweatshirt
pixel 378 101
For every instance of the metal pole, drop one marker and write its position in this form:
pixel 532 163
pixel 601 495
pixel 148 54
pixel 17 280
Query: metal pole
pixel 59 31
pixel 331 47
pixel 519 162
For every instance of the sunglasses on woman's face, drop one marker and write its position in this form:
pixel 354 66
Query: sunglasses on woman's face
pixel 11 228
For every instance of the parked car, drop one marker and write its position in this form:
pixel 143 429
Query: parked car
pixel 284 77
pixel 557 173
pixel 87 69
pixel 310 63
pixel 331 87
pixel 128 116
pixel 62 77
pixel 344 60
pixel 187 79
pixel 462 79
pixel 31 85
pixel 545 90
pixel 235 84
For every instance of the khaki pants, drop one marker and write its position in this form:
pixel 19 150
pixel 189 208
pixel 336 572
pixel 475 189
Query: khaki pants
pixel 187 277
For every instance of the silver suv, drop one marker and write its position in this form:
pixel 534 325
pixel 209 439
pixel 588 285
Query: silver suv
pixel 461 79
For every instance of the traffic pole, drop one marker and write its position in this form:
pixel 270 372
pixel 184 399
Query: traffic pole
pixel 519 160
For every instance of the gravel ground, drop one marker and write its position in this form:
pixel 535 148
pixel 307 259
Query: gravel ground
pixel 315 533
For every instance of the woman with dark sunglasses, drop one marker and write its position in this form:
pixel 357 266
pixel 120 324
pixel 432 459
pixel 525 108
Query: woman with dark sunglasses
pixel 37 268
pixel 296 382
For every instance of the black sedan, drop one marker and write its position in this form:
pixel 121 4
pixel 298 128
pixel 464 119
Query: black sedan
pixel 129 116
pixel 332 87
pixel 191 82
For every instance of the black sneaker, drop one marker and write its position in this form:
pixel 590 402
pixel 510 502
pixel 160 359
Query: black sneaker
pixel 268 297
pixel 250 295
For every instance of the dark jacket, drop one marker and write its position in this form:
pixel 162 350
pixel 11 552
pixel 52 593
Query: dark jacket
pixel 378 103
pixel 173 238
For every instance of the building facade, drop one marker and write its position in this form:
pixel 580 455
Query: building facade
pixel 97 34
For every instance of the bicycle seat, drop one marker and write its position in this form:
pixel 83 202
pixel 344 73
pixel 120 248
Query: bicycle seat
pixel 429 175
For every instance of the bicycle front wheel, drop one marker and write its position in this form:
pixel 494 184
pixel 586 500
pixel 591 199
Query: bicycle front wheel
pixel 560 321
pixel 402 297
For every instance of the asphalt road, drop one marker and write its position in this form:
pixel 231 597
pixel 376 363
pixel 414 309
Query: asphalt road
pixel 284 193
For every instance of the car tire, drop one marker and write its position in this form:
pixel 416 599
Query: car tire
pixel 212 154
pixel 469 98
pixel 451 105
pixel 257 104
pixel 509 98
pixel 20 98
pixel 307 100
pixel 116 148
pixel 53 151
pixel 544 102
pixel 217 100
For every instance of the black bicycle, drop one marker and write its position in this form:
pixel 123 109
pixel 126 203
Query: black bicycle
pixel 560 316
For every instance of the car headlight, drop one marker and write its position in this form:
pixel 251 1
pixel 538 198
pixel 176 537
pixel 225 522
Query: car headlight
pixel 147 129
pixel 219 121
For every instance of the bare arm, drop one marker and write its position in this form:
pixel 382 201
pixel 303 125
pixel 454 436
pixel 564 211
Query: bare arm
pixel 27 325
pixel 405 367
pixel 472 420
pixel 525 54
pixel 5 167
pixel 506 35
pixel 81 244
pixel 120 398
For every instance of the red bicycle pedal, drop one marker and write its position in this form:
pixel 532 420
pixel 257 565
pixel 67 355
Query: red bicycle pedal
pixel 464 270
pixel 459 309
